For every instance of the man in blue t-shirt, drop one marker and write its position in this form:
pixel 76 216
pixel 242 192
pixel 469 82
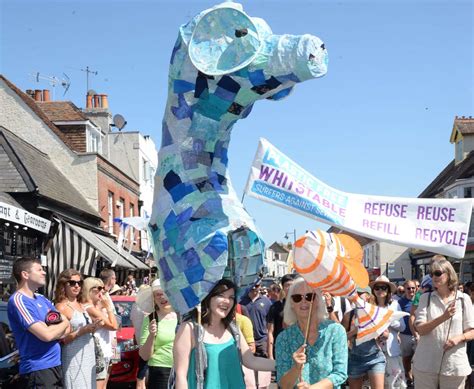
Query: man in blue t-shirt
pixel 258 307
pixel 37 342
pixel 407 339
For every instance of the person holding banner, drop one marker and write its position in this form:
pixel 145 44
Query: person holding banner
pixel 312 350
pixel 445 322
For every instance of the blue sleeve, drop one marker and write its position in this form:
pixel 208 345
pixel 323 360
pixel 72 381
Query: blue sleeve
pixel 340 354
pixel 49 304
pixel 23 311
pixel 283 352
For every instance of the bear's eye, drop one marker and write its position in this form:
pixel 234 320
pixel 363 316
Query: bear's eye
pixel 311 57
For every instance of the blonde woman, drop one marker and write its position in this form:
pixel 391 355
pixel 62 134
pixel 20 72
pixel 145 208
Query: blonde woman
pixel 445 321
pixel 77 352
pixel 157 337
pixel 321 362
pixel 99 307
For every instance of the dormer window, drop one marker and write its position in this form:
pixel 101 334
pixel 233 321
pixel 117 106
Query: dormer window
pixel 94 140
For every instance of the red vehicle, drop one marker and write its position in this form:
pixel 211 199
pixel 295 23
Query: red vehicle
pixel 124 373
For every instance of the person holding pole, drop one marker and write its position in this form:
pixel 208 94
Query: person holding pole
pixel 445 321
pixel 216 336
pixel 312 351
pixel 157 337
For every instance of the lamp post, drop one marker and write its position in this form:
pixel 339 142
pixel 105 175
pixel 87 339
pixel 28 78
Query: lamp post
pixel 288 237
pixel 290 258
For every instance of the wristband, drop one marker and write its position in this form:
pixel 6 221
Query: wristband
pixel 53 317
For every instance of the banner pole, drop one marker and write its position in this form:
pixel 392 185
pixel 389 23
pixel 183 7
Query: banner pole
pixel 306 332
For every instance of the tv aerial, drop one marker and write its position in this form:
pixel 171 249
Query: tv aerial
pixel 65 82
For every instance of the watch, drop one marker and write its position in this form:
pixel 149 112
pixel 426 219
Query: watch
pixel 330 308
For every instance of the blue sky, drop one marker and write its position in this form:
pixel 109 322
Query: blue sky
pixel 378 123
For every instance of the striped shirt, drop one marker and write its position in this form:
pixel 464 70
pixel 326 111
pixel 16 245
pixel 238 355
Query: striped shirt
pixel 23 311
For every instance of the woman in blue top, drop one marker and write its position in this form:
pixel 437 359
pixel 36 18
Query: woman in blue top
pixel 322 361
pixel 223 362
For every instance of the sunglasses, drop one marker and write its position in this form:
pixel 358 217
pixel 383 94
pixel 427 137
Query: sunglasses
pixel 381 287
pixel 298 297
pixel 437 273
pixel 99 288
pixel 73 283
pixel 413 288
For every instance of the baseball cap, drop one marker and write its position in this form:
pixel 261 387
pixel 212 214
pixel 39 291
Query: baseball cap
pixel 426 282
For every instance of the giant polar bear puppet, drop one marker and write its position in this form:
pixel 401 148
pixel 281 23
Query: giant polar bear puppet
pixel 222 63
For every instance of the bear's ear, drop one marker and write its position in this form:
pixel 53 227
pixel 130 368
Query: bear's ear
pixel 224 40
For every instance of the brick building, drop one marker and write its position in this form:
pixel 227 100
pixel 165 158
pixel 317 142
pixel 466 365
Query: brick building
pixel 70 151
pixel 117 192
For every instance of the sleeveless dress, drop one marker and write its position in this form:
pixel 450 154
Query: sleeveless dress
pixel 78 357
pixel 223 371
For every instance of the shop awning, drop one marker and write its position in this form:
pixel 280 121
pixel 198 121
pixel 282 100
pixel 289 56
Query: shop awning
pixel 79 248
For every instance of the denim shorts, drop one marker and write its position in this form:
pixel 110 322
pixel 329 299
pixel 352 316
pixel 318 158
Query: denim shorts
pixel 366 364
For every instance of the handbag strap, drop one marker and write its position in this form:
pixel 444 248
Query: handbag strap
pixel 447 335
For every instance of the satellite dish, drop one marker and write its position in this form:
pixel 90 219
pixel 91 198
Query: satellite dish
pixel 91 92
pixel 119 121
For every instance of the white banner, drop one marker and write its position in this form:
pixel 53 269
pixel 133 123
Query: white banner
pixel 25 218
pixel 436 225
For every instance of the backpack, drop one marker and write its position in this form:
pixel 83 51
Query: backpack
pixel 200 355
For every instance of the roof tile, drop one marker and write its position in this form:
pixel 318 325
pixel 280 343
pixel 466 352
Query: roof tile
pixel 61 111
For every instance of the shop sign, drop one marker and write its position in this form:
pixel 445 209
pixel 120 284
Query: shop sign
pixel 25 218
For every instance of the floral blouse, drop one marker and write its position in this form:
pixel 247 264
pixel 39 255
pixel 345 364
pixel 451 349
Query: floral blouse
pixel 327 358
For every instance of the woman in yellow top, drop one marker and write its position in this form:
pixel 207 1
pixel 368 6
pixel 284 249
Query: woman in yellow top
pixel 157 337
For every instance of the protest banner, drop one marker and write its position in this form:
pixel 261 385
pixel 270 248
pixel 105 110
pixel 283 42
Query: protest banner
pixel 437 225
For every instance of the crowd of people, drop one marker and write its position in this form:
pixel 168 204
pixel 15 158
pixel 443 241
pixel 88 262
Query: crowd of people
pixel 306 337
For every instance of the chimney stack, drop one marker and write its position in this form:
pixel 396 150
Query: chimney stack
pixel 46 96
pixel 38 95
pixel 96 101
pixel 105 102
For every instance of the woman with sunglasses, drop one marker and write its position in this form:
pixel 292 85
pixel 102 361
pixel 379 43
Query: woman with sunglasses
pixel 77 354
pixel 366 358
pixel 222 352
pixel 383 291
pixel 319 362
pixel 100 309
pixel 157 337
pixel 445 321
